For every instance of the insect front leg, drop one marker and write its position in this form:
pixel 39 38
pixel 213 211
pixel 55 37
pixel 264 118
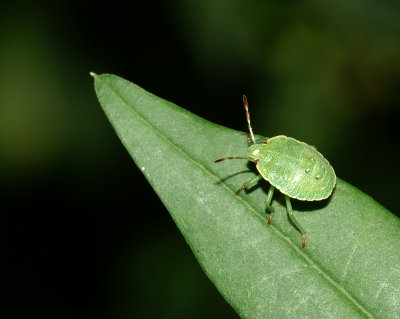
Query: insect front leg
pixel 249 184
pixel 268 203
pixel 295 221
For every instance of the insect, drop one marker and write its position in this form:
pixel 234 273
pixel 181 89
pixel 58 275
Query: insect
pixel 295 168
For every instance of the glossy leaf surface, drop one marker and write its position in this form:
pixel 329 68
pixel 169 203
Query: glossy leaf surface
pixel 351 265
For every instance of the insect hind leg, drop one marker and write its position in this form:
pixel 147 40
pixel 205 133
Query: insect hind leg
pixel 295 221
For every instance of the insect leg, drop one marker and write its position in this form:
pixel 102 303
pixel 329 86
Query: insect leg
pixel 268 204
pixel 295 221
pixel 249 183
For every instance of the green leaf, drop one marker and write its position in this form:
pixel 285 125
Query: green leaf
pixel 351 265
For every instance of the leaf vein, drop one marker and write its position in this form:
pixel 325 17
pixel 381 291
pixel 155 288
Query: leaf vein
pixel 313 264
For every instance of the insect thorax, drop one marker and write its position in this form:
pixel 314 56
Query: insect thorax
pixel 255 151
pixel 295 168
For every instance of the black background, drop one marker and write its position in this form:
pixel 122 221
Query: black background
pixel 85 235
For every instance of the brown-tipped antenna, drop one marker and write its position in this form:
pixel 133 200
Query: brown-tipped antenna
pixel 246 107
pixel 229 158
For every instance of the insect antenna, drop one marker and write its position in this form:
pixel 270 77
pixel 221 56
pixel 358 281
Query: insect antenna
pixel 246 107
pixel 229 158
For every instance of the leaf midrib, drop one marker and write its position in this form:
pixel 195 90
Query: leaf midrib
pixel 313 264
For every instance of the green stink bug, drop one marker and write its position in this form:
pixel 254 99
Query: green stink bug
pixel 295 168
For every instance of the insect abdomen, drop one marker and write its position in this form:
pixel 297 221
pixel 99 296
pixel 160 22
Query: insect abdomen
pixel 296 169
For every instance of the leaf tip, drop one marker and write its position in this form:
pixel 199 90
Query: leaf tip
pixel 93 74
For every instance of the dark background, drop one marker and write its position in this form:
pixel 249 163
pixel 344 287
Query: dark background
pixel 85 235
